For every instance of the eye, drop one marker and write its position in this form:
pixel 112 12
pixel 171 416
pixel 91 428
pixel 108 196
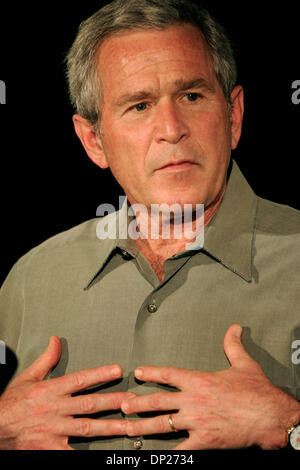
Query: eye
pixel 192 96
pixel 140 106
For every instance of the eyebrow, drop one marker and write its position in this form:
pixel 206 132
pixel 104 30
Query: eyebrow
pixel 180 85
pixel 183 85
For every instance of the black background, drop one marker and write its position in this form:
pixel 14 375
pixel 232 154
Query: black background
pixel 48 184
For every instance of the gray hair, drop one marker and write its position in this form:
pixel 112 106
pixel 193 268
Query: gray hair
pixel 135 15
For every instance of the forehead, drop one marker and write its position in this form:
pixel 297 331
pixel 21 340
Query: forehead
pixel 129 56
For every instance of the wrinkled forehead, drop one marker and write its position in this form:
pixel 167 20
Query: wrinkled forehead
pixel 132 53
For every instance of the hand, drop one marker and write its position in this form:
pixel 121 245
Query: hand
pixel 234 408
pixel 37 414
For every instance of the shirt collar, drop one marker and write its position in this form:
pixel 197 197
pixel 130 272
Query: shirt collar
pixel 115 226
pixel 229 235
pixel 228 238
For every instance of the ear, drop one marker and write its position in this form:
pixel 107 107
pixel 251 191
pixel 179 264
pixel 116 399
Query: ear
pixel 90 140
pixel 237 113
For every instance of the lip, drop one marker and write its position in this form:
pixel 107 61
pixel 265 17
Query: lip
pixel 177 166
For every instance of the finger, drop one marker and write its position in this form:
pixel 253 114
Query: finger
pixel 87 427
pixel 45 362
pixel 77 381
pixel 88 404
pixel 158 425
pixel 175 376
pixel 152 402
pixel 234 349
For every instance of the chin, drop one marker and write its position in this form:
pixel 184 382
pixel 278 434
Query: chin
pixel 181 198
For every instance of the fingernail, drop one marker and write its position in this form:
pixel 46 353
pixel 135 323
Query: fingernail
pixel 139 373
pixel 131 395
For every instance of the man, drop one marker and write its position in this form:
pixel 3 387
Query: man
pixel 154 88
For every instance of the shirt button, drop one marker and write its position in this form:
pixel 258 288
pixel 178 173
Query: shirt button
pixel 152 308
pixel 138 444
pixel 125 254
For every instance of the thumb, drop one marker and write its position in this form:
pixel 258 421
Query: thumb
pixel 234 349
pixel 45 362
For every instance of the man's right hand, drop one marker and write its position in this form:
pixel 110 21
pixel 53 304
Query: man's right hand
pixel 37 414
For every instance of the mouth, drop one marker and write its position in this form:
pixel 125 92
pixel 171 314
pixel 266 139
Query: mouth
pixel 177 166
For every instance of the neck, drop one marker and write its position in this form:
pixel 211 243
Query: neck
pixel 162 240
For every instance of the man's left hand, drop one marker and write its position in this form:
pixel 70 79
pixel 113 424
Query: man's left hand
pixel 234 408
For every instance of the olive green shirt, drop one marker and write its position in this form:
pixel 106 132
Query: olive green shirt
pixel 105 302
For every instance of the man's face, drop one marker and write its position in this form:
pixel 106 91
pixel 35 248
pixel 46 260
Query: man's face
pixel 165 123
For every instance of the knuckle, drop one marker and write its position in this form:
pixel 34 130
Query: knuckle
pixel 203 379
pixel 166 375
pixel 78 380
pixel 197 400
pixel 37 433
pixel 194 400
pixel 42 409
pixel 84 427
pixel 87 404
pixel 155 402
pixel 40 430
pixel 116 402
pixel 131 428
pixel 161 424
pixel 198 420
pixel 212 440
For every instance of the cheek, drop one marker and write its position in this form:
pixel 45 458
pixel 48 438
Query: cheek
pixel 122 158
pixel 215 134
pixel 127 148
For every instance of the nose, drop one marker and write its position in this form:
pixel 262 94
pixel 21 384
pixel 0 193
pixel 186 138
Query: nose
pixel 169 124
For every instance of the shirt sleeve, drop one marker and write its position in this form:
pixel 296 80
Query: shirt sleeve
pixel 11 314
